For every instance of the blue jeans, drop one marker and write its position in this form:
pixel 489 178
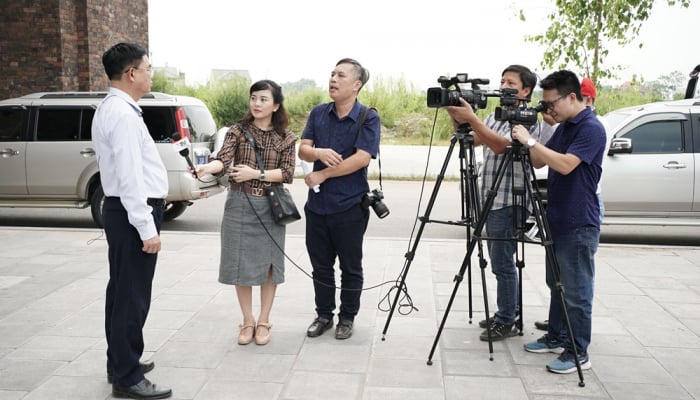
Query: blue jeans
pixel 574 252
pixel 499 224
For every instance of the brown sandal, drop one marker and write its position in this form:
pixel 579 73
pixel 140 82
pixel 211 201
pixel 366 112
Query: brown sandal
pixel 262 339
pixel 244 338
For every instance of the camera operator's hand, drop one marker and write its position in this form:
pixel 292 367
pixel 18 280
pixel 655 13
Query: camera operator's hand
pixel 462 114
pixel 329 157
pixel 520 133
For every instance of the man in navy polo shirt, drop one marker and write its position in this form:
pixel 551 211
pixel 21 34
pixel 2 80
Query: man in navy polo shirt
pixel 341 145
pixel 574 155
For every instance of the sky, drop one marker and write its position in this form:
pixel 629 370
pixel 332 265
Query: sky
pixel 416 42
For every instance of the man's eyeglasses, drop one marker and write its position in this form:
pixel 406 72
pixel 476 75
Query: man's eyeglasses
pixel 550 104
pixel 148 69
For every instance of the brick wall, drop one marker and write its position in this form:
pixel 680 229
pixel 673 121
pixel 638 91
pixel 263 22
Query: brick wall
pixel 57 45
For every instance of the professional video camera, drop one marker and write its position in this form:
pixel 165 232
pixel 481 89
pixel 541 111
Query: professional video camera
pixel 444 96
pixel 522 115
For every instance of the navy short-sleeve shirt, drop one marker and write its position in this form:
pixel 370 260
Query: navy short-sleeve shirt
pixel 344 136
pixel 572 201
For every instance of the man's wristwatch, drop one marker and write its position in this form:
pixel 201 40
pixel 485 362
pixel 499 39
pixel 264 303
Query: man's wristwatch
pixel 531 142
pixel 262 175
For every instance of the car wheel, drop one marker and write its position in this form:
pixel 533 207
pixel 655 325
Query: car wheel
pixel 96 201
pixel 174 210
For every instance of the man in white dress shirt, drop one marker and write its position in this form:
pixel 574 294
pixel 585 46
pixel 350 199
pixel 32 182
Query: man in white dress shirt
pixel 135 184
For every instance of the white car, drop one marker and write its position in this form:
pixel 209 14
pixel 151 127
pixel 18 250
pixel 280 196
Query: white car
pixel 650 172
pixel 47 160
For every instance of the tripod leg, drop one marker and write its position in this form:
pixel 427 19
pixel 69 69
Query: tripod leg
pixel 478 228
pixel 473 208
pixel 424 220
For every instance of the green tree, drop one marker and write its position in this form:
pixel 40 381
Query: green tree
pixel 227 99
pixel 580 30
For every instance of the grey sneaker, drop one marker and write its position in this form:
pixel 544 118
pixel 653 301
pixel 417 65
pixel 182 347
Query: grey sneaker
pixel 545 344
pixel 499 331
pixel 565 363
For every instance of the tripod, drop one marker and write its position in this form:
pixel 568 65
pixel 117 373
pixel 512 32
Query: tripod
pixel 469 200
pixel 515 154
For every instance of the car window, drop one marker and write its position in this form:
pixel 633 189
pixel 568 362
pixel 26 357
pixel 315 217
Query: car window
pixel 202 125
pixel 160 122
pixel 86 124
pixel 657 137
pixel 12 123
pixel 58 125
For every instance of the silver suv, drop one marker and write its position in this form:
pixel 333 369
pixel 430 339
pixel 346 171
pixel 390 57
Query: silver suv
pixel 651 173
pixel 47 159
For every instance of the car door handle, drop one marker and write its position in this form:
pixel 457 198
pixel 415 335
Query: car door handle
pixel 87 152
pixel 5 153
pixel 674 165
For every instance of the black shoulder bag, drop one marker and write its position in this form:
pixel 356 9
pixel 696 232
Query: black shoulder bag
pixel 282 204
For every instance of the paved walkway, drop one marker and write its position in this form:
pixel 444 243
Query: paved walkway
pixel 646 327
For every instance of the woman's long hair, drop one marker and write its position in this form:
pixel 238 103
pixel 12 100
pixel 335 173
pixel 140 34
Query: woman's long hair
pixel 280 119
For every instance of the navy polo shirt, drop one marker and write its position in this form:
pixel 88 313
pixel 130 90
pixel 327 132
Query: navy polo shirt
pixel 343 136
pixel 572 201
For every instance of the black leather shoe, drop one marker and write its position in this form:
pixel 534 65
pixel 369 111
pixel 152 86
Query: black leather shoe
pixel 542 325
pixel 145 367
pixel 142 390
pixel 343 330
pixel 319 326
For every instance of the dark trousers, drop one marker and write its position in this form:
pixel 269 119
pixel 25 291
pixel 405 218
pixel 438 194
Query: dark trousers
pixel 128 292
pixel 337 235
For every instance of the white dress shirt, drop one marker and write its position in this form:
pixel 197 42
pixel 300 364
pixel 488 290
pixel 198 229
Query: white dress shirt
pixel 129 163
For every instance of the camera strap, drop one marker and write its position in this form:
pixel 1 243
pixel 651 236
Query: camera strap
pixel 361 122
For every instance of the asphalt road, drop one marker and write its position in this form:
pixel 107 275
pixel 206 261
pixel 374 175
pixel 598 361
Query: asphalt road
pixel 407 200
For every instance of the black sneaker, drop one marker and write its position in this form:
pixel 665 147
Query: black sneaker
pixel 483 325
pixel 499 331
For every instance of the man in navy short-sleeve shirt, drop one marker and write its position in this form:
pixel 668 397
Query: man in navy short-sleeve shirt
pixel 574 155
pixel 341 145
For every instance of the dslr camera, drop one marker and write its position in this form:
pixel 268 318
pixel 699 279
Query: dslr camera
pixel 518 115
pixel 444 96
pixel 374 199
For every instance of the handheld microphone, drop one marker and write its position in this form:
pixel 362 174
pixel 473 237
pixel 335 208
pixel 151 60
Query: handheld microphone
pixel 182 147
pixel 305 168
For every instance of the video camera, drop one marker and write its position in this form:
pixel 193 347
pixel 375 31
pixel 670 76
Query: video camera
pixel 444 96
pixel 526 116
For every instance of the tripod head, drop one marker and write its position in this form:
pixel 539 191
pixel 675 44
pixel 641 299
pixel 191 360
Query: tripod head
pixel 464 133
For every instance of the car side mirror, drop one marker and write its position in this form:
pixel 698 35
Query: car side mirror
pixel 620 146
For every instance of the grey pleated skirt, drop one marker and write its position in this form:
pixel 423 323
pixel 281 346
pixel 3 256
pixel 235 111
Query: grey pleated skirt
pixel 247 249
